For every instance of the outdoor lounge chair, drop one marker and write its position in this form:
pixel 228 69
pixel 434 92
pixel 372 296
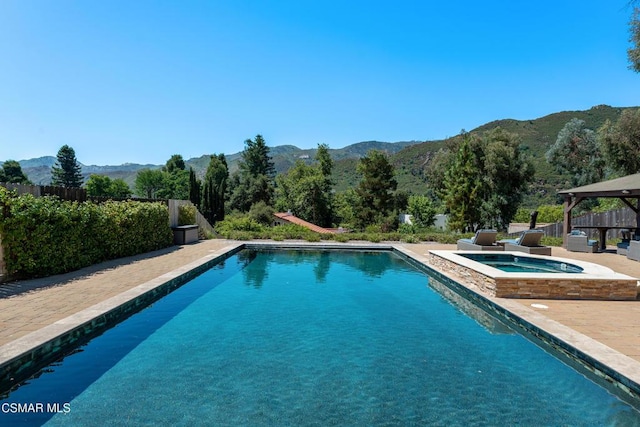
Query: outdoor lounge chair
pixel 634 250
pixel 622 248
pixel 529 242
pixel 577 241
pixel 484 240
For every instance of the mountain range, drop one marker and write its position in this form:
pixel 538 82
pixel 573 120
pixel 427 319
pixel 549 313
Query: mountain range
pixel 284 156
pixel 410 158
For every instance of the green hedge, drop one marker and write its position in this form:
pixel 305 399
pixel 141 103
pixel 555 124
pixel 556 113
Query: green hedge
pixel 42 236
pixel 245 228
pixel 186 214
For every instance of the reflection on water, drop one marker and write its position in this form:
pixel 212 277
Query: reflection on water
pixel 322 267
pixel 321 259
pixel 258 273
pixel 490 323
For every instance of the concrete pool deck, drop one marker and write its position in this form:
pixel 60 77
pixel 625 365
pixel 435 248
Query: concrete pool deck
pixel 28 308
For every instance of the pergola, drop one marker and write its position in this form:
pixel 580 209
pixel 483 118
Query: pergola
pixel 625 188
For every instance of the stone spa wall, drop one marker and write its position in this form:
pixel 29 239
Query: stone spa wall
pixel 520 285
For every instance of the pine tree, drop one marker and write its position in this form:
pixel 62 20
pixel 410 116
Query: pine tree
pixel 66 172
pixel 376 189
pixel 254 181
pixel 255 158
pixel 11 171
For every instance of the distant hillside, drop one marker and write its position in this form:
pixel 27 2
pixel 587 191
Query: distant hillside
pixel 537 137
pixel 410 158
pixel 284 157
pixel 39 170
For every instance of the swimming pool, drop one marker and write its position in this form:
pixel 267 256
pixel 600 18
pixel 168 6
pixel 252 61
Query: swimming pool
pixel 314 337
pixel 515 263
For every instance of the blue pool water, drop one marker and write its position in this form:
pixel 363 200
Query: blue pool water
pixel 314 338
pixel 522 263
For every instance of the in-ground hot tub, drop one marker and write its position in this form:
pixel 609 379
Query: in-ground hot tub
pixel 518 263
pixel 519 275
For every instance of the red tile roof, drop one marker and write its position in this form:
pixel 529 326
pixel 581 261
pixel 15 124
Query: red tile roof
pixel 295 220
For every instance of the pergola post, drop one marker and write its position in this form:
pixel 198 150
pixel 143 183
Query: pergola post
pixel 566 219
pixel 638 217
pixel 569 204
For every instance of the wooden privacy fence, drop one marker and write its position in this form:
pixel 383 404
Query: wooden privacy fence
pixel 71 194
pixel 622 217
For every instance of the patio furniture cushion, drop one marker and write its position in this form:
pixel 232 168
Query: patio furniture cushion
pixel 484 240
pixel 529 242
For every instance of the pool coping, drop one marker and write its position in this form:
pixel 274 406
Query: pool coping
pixel 24 356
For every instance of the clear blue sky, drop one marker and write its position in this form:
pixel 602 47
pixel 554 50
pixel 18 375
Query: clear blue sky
pixel 138 81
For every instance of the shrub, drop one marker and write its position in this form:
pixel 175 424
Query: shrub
pixel 374 237
pixel 135 227
pixel 422 211
pixel 42 236
pixel 407 229
pixel 286 231
pixel 546 214
pixel 394 237
pixel 341 237
pixel 410 238
pixel 373 228
pixel 312 237
pixel 240 235
pixel 186 214
pixel 389 223
pixel 261 213
pixel 551 241
pixel 243 223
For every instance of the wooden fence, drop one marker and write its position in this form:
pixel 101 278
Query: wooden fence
pixel 71 194
pixel 622 217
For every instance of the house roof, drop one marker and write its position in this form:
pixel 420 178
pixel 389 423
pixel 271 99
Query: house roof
pixel 286 216
pixel 627 186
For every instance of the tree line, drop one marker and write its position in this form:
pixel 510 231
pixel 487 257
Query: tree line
pixel 478 179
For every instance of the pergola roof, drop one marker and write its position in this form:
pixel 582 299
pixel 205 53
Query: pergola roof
pixel 627 186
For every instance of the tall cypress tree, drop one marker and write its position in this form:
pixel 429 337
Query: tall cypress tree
pixel 462 190
pixel 195 189
pixel 215 185
pixel 66 172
